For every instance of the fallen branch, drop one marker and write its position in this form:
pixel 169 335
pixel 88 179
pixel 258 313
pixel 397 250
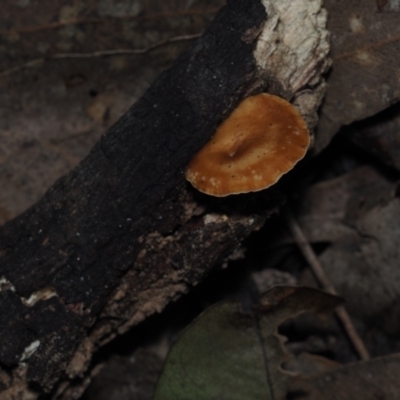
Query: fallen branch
pixel 123 234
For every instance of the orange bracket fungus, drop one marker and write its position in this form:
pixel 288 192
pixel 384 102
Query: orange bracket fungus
pixel 263 138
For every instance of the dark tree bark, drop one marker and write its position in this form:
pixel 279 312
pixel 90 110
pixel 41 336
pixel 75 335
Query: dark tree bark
pixel 123 234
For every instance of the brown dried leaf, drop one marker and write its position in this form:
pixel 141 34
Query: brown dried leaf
pixel 329 207
pixel 367 380
pixel 365 76
pixel 380 136
pixel 359 214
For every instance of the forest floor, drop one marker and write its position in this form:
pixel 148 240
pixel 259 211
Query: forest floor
pixel 55 105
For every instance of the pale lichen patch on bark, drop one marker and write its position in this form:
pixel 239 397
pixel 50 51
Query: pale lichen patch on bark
pixel 29 350
pixel 41 294
pixel 293 48
pixel 5 284
pixel 294 43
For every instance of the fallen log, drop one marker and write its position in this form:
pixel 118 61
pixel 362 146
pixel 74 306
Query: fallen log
pixel 124 234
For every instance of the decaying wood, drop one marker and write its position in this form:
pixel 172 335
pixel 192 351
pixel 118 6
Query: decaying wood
pixel 124 234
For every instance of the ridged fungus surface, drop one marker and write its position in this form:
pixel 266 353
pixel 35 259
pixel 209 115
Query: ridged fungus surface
pixel 263 138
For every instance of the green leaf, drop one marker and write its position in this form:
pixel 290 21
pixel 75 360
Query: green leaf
pixel 228 354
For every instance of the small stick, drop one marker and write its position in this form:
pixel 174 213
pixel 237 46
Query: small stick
pixel 102 53
pixel 325 282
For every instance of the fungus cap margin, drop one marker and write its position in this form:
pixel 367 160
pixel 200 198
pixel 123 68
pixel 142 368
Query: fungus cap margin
pixel 261 140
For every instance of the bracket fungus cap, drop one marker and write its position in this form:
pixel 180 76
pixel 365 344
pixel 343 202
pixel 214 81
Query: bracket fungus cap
pixel 263 138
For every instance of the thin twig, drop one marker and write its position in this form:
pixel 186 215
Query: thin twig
pixel 367 47
pixel 119 52
pixel 325 282
pixel 29 64
pixel 101 53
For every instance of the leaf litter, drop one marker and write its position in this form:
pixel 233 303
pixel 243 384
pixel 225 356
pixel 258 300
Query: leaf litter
pixel 356 213
pixel 365 48
pixel 228 354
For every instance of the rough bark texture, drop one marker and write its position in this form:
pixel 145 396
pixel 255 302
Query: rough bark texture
pixel 123 234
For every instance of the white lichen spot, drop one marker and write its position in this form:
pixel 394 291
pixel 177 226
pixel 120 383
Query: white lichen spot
pixel 359 106
pixel 364 57
pixel 42 294
pixel 356 24
pixel 29 350
pixel 5 284
pixel 214 218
